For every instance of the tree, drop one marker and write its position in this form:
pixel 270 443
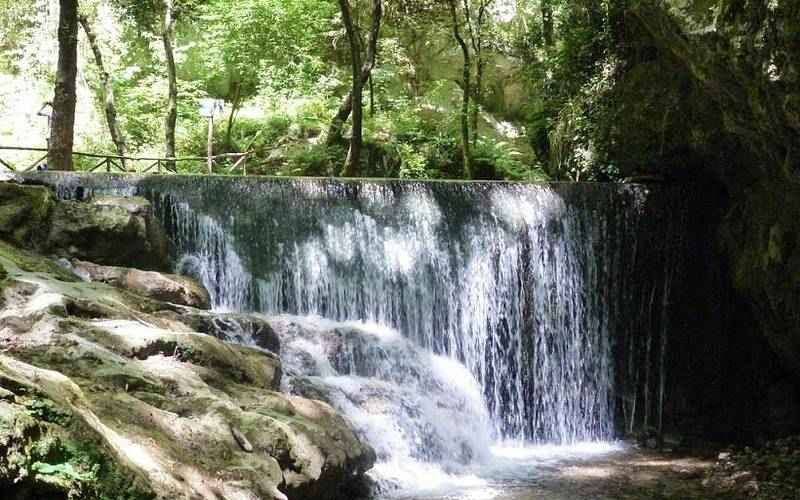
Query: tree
pixel 477 25
pixel 361 72
pixel 466 82
pixel 63 118
pixel 107 89
pixel 168 38
pixel 261 45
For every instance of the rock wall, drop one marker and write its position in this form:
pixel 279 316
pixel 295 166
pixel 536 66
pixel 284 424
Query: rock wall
pixel 726 117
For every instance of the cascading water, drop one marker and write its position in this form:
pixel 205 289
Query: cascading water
pixel 456 313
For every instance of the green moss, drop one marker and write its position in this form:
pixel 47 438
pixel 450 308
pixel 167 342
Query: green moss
pixel 32 263
pixel 44 454
pixel 24 211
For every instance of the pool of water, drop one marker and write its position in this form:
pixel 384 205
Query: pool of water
pixel 509 471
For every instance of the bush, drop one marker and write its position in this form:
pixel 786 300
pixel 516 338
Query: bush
pixel 316 161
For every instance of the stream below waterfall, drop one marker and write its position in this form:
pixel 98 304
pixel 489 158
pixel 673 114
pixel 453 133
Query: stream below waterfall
pixel 484 338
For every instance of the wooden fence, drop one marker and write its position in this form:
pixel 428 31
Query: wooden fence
pixel 128 164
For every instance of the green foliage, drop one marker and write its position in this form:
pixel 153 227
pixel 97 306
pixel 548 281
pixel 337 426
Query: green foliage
pixel 413 163
pixel 500 161
pixel 316 161
pixel 46 410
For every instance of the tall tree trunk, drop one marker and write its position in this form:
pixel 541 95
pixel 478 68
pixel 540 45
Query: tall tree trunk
pixel 237 97
pixel 167 36
pixel 354 154
pixel 62 132
pixel 336 128
pixel 465 145
pixel 548 24
pixel 361 74
pixel 478 93
pixel 108 90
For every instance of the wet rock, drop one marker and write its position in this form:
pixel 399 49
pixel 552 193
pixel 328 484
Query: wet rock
pixel 248 329
pixel 109 231
pixel 171 288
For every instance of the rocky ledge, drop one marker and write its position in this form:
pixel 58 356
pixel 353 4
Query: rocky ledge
pixel 108 390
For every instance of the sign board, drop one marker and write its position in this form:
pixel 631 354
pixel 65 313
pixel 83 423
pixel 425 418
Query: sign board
pixel 211 107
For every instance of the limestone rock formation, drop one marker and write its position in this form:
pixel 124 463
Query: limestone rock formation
pixel 172 288
pixel 120 382
pixel 24 211
pixel 109 231
pixel 111 387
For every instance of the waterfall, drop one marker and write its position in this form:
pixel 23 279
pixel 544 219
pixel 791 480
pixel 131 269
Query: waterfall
pixel 542 300
pixel 510 280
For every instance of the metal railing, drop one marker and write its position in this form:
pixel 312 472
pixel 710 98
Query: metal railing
pixel 128 164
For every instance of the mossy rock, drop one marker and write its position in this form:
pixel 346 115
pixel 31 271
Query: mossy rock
pixel 106 373
pixel 24 212
pixel 47 457
pixel 112 231
pixel 30 262
pixel 762 236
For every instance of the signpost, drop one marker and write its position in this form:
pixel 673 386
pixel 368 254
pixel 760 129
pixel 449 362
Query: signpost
pixel 209 108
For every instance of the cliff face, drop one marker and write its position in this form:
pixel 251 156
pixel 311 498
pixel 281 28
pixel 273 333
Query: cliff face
pixel 711 95
pixel 762 236
pixel 735 71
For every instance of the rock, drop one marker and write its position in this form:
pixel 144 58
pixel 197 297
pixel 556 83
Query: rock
pixel 742 477
pixel 24 212
pixel 109 231
pixel 780 410
pixel 163 406
pixel 751 488
pixel 171 288
pixel 248 329
pixel 242 440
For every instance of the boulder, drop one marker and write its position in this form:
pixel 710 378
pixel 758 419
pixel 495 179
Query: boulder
pixel 24 212
pixel 110 231
pixel 171 288
pixel 247 329
pixel 165 412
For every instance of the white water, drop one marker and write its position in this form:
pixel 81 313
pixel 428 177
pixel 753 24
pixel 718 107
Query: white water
pixel 423 414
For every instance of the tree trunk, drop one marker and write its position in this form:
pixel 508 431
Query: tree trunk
pixel 167 37
pixel 62 130
pixel 237 97
pixel 547 24
pixel 465 144
pixel 480 65
pixel 361 74
pixel 476 35
pixel 354 154
pixel 108 90
pixel 336 128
